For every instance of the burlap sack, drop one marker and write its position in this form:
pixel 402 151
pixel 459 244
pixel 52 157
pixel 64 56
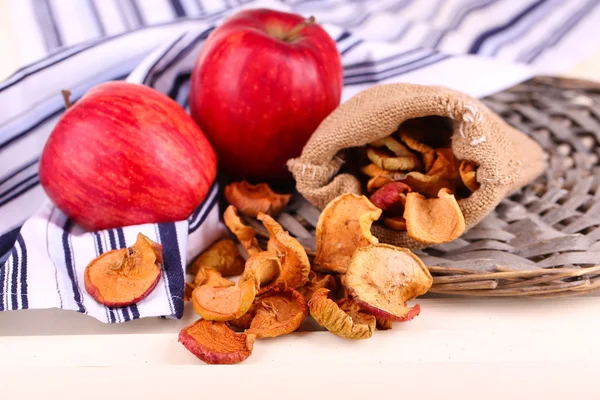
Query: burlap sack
pixel 507 158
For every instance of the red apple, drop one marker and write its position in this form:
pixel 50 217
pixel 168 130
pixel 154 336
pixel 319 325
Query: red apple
pixel 262 83
pixel 125 154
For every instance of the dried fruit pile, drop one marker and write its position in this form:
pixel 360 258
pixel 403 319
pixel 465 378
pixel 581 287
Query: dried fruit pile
pixel 415 178
pixel 353 286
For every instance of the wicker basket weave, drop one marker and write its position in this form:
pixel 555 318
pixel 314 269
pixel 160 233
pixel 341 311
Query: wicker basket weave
pixel 543 241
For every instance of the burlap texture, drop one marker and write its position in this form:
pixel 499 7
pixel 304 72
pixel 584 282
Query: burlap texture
pixel 507 158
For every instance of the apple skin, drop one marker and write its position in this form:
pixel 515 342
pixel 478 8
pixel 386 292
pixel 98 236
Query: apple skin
pixel 125 154
pixel 259 98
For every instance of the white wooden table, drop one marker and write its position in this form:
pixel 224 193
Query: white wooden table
pixel 457 348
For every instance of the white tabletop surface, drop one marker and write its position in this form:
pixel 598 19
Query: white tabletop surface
pixel 456 348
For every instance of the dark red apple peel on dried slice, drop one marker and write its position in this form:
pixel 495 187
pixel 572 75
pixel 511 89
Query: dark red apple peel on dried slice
pixel 123 277
pixel 382 278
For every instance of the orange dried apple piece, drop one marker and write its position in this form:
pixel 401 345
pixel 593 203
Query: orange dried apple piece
pixel 391 197
pixel 211 277
pixel 187 291
pixel 414 140
pixel 374 171
pixel 223 255
pixel 382 278
pixel 223 303
pixel 214 343
pixel 243 232
pixel 344 319
pixel 123 277
pixel 446 165
pixel 427 185
pixel 389 161
pixel 244 321
pixel 316 281
pixel 468 175
pixel 295 265
pixel 262 269
pixel 376 182
pixel 251 199
pixel 433 221
pixel 395 223
pixel 278 311
pixel 343 226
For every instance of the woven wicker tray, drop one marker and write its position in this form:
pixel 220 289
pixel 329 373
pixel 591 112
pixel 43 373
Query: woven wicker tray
pixel 543 241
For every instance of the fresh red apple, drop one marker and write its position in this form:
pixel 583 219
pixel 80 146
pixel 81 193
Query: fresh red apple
pixel 261 85
pixel 125 154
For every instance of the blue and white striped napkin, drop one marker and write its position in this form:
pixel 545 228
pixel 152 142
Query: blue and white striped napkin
pixel 477 46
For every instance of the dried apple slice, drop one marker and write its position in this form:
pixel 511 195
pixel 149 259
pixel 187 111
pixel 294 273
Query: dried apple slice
pixel 245 320
pixel 468 175
pixel 427 185
pixel 278 312
pixel 373 171
pixel 251 199
pixel 295 265
pixel 389 161
pixel 223 255
pixel 383 324
pixel 223 303
pixel 343 226
pixel 376 182
pixel 381 278
pixel 433 221
pixel 446 165
pixel 414 140
pixel 316 281
pixel 211 277
pixel 262 269
pixel 391 197
pixel 395 223
pixel 243 232
pixel 393 145
pixel 214 343
pixel 344 320
pixel 123 277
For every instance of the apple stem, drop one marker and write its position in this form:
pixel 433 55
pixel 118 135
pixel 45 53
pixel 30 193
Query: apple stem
pixel 299 27
pixel 66 97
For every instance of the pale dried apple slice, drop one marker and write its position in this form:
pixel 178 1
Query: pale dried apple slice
pixel 346 321
pixel 389 161
pixel 262 268
pixel 214 343
pixel 395 223
pixel 278 312
pixel 211 277
pixel 433 221
pixel 381 278
pixel 317 280
pixel 373 171
pixel 343 226
pixel 295 265
pixel 376 182
pixel 223 255
pixel 123 277
pixel 393 145
pixel 468 175
pixel 223 303
pixel 414 140
pixel 251 199
pixel 391 198
pixel 243 232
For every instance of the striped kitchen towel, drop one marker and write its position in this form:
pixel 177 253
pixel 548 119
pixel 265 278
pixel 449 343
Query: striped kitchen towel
pixel 477 46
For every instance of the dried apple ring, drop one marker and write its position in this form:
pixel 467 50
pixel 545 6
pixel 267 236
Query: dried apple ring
pixel 347 322
pixel 391 197
pixel 468 175
pixel 278 312
pixel 343 226
pixel 243 232
pixel 316 281
pixel 373 171
pixel 223 303
pixel 413 140
pixel 262 268
pixel 214 343
pixel 381 278
pixel 383 159
pixel 395 223
pixel 433 221
pixel 223 255
pixel 295 265
pixel 392 145
pixel 211 277
pixel 251 199
pixel 123 277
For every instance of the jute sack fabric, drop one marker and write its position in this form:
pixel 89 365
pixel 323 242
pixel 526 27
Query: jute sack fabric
pixel 507 158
